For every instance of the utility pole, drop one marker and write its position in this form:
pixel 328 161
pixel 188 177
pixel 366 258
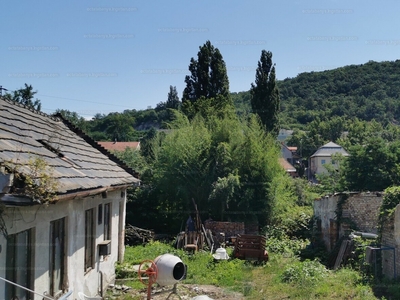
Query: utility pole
pixel 1 90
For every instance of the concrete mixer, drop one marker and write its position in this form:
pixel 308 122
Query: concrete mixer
pixel 166 269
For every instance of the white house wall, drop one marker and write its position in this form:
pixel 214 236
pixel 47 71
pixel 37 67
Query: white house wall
pixel 287 154
pixel 18 219
pixel 316 164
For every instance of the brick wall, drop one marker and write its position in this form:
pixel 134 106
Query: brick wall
pixel 363 211
pixel 229 228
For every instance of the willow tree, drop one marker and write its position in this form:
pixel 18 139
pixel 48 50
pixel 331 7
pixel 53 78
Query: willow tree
pixel 224 164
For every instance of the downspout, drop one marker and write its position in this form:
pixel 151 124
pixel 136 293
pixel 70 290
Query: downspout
pixel 101 284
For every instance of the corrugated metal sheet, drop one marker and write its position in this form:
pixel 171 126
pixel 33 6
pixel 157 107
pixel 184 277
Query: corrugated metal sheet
pixel 76 161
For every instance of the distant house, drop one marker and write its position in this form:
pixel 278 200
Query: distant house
pixel 73 242
pixel 323 156
pixel 288 167
pixel 290 154
pixel 284 134
pixel 119 146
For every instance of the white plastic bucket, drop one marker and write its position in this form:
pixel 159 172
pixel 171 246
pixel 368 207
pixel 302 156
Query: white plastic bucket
pixel 220 253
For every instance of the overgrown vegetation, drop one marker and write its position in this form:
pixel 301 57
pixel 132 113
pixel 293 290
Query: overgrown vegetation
pixel 35 179
pixel 391 199
pixel 283 277
pixel 226 165
pixel 39 182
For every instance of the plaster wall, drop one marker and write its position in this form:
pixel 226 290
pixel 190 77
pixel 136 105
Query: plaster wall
pixel 325 211
pixel 18 219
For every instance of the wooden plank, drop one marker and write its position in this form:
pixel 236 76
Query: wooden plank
pixel 339 258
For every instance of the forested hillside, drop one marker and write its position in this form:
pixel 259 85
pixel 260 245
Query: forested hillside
pixel 368 91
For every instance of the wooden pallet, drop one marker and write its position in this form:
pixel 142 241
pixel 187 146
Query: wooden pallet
pixel 250 247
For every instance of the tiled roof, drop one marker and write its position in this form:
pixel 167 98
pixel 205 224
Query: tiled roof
pixel 79 163
pixel 329 149
pixel 119 146
pixel 286 165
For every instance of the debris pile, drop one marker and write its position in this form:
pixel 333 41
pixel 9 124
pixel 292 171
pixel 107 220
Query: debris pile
pixel 137 236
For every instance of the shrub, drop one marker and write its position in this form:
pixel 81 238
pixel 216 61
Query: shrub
pixel 306 272
pixel 279 242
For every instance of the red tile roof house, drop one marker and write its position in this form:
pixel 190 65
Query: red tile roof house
pixel 119 146
pixel 288 167
pixel 72 242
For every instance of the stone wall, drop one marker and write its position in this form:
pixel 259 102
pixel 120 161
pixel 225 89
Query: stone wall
pixel 359 211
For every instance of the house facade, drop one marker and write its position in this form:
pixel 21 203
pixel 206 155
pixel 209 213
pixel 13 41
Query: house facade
pixel 290 154
pixel 72 242
pixel 323 156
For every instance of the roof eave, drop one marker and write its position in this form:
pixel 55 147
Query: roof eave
pixel 93 192
pixel 11 200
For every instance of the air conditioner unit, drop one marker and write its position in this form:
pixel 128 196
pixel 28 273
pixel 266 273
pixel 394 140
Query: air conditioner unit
pixel 105 247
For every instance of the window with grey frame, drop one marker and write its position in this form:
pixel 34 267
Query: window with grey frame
pixel 57 269
pixel 107 221
pixel 89 239
pixel 19 264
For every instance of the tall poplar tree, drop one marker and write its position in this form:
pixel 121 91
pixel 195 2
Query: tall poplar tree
pixel 265 100
pixel 208 79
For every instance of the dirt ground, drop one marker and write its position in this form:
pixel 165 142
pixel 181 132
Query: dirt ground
pixel 187 292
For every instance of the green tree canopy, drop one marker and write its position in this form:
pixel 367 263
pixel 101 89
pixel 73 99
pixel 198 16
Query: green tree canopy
pixel 74 118
pixel 208 78
pixel 25 96
pixel 225 165
pixel 120 127
pixel 173 99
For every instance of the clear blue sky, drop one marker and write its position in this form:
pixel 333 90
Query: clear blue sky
pixel 100 56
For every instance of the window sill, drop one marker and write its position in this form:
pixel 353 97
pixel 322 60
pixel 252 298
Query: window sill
pixel 88 271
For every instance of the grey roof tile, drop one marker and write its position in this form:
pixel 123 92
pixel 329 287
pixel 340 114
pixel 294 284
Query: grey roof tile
pixel 76 160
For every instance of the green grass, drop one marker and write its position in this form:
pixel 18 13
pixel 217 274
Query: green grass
pixel 306 281
pixel 283 277
pixel 201 267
